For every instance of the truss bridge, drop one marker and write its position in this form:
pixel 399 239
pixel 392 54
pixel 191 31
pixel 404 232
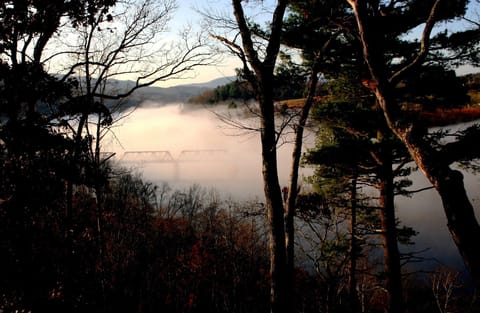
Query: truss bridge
pixel 206 162
pixel 164 156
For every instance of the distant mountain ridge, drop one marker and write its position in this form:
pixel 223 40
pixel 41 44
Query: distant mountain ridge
pixel 165 95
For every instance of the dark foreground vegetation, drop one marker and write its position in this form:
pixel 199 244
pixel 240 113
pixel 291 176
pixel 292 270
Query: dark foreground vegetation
pixel 137 247
pixel 133 248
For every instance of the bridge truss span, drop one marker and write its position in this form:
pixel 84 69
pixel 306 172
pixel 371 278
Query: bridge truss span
pixel 164 156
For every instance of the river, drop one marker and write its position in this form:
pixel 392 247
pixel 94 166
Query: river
pixel 182 146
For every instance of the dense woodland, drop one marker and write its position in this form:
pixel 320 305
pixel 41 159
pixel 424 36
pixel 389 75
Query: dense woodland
pixel 465 86
pixel 81 233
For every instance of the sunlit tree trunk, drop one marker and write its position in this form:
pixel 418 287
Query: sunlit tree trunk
pixel 261 78
pixel 293 187
pixel 461 220
pixel 275 210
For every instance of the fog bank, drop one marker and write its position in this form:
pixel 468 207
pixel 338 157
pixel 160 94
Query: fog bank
pixel 195 146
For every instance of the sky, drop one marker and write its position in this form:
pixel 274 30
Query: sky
pixel 187 14
pixel 184 16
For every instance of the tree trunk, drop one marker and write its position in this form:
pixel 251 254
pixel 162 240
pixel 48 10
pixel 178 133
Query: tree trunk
pixel 391 254
pixel 352 279
pixel 261 79
pixel 293 187
pixel 274 199
pixel 449 183
pixel 459 211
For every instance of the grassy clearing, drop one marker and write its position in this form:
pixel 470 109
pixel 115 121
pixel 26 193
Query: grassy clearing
pixel 442 117
pixel 439 117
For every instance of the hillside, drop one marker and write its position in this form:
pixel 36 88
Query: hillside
pixel 164 95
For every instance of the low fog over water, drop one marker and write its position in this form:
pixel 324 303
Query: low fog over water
pixel 184 146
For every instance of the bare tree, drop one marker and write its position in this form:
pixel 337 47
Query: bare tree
pixel 444 282
pixel 286 124
pixel 259 59
pixel 130 43
pixel 92 50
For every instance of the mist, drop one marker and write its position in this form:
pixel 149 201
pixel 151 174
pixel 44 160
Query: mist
pixel 228 160
pixel 209 152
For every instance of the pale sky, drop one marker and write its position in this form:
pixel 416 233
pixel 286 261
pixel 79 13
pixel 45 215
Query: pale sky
pixel 187 14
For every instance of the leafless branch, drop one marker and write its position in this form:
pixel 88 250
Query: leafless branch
pixel 130 47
